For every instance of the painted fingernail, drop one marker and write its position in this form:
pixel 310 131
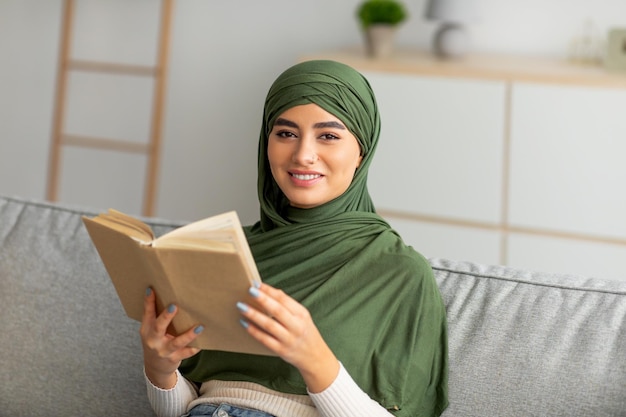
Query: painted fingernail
pixel 256 284
pixel 148 291
pixel 244 323
pixel 243 307
pixel 171 308
pixel 254 291
pixel 198 329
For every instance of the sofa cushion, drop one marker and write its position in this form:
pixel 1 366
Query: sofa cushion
pixel 533 344
pixel 67 347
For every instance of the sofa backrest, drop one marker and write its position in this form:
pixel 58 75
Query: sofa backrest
pixel 67 348
pixel 521 343
pixel 532 344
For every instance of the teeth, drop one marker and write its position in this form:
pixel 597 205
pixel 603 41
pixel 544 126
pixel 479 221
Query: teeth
pixel 306 177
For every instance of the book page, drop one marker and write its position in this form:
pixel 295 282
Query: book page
pixel 131 227
pixel 208 287
pixel 226 221
pixel 217 241
pixel 125 218
pixel 213 233
pixel 222 232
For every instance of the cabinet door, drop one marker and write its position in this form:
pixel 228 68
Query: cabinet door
pixel 440 150
pixel 440 240
pixel 440 154
pixel 568 173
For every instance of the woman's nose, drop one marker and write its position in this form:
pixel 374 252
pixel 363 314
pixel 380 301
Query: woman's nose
pixel 305 153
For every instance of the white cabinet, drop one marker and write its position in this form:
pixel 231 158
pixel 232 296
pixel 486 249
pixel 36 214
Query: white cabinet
pixel 439 135
pixel 440 155
pixel 568 159
pixel 568 179
pixel 502 161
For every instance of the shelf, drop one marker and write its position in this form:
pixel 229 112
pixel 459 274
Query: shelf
pixel 481 66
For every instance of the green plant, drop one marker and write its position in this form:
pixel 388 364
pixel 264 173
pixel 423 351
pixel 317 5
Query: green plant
pixel 389 12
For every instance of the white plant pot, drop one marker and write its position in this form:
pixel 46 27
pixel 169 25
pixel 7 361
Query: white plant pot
pixel 379 40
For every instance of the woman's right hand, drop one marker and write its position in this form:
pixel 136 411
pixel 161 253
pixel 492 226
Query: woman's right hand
pixel 163 352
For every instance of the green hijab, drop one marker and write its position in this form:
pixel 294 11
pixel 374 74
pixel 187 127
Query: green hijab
pixel 341 91
pixel 374 299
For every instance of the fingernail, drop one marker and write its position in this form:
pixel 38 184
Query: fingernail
pixel 198 329
pixel 254 291
pixel 171 308
pixel 243 307
pixel 256 284
pixel 244 323
pixel 148 291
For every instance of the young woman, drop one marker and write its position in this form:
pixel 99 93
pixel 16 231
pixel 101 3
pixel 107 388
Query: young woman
pixel 357 321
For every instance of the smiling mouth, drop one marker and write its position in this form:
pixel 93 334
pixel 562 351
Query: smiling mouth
pixel 305 177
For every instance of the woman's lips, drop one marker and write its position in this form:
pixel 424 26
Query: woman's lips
pixel 305 178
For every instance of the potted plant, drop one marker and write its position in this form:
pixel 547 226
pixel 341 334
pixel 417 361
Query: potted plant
pixel 379 20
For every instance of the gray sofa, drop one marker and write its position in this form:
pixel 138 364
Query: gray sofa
pixel 521 343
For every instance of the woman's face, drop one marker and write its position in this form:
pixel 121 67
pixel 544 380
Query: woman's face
pixel 312 155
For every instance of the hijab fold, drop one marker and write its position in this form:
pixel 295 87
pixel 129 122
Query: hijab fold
pixel 374 299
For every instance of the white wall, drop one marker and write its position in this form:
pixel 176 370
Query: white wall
pixel 224 57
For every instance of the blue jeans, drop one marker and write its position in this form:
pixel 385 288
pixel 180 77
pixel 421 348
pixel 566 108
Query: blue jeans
pixel 224 410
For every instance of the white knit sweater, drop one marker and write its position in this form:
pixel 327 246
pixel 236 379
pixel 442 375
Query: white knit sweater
pixel 343 398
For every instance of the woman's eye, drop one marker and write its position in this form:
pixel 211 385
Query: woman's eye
pixel 285 134
pixel 329 136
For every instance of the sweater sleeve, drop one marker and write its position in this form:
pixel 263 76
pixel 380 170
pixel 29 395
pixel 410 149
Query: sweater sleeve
pixel 344 398
pixel 171 402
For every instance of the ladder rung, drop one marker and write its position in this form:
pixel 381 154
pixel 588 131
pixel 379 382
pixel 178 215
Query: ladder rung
pixel 109 67
pixel 103 143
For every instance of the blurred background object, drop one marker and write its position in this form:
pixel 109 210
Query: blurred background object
pixel 379 20
pixel 452 38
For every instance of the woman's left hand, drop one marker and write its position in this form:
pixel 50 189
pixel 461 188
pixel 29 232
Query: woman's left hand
pixel 288 330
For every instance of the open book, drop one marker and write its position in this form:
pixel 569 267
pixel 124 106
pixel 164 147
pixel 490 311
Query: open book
pixel 203 267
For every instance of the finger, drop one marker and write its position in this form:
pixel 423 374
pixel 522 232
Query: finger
pixel 187 353
pixel 149 313
pixel 260 319
pixel 182 341
pixel 164 319
pixel 277 324
pixel 279 306
pixel 149 309
pixel 283 341
pixel 265 338
pixel 281 298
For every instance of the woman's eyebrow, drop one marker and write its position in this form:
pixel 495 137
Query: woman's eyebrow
pixel 332 124
pixel 320 125
pixel 284 122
